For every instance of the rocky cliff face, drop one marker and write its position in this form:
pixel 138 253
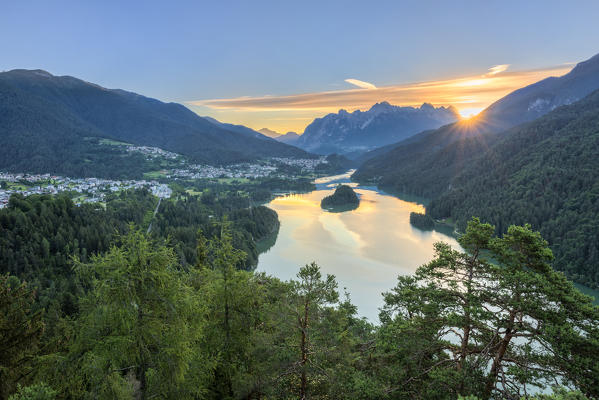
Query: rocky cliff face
pixel 382 124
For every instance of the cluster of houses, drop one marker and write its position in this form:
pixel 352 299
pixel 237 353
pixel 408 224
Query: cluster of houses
pixel 91 189
pixel 4 196
pixel 95 189
pixel 245 170
pixel 152 152
pixel 232 171
pixel 306 164
pixel 195 171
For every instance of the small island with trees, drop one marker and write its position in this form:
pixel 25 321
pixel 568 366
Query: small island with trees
pixel 422 221
pixel 344 199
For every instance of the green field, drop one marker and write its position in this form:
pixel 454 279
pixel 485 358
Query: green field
pixel 193 192
pixel 111 142
pixel 79 199
pixel 16 186
pixel 230 181
pixel 155 174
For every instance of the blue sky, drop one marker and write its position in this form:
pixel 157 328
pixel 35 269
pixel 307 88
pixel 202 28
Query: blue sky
pixel 193 51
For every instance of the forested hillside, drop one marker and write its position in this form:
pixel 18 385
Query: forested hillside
pixel 137 321
pixel 425 165
pixel 41 235
pixel 52 124
pixel 545 173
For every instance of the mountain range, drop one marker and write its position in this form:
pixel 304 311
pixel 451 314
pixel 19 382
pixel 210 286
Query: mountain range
pixel 382 124
pixel 426 163
pixel 51 124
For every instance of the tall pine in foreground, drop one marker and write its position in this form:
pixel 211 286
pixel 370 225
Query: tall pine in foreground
pixel 138 326
pixel 233 301
pixel 20 330
pixel 495 321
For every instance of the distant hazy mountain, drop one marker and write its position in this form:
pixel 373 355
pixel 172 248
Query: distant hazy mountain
pixel 538 99
pixel 244 130
pixel 289 138
pixel 46 123
pixel 364 130
pixel 425 164
pixel 270 133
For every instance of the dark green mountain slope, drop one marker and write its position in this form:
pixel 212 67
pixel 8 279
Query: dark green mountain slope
pixel 424 166
pixel 47 121
pixel 426 163
pixel 545 173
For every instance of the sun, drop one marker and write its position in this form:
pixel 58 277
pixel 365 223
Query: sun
pixel 467 113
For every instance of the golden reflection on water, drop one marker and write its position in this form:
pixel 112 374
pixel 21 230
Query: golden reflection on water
pixel 366 248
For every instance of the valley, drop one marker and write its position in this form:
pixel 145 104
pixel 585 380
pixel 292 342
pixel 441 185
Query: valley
pixel 299 200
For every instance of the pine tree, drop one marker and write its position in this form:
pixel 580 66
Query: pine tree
pixel 20 332
pixel 139 324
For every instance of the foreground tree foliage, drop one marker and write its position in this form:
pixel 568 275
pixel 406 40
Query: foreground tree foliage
pixel 233 299
pixel 494 321
pixel 138 324
pixel 266 338
pixel 491 321
pixel 38 391
pixel 20 331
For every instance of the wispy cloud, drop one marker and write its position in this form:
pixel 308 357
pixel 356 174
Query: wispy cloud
pixel 498 69
pixel 360 84
pixel 470 93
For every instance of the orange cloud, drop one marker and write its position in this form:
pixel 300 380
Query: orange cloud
pixel 469 94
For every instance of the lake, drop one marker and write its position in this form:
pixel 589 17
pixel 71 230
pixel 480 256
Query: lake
pixel 366 248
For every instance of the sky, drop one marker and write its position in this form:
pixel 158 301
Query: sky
pixel 280 64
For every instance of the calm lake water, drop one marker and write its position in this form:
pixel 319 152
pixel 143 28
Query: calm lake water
pixel 366 248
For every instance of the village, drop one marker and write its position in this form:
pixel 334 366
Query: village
pixel 94 190
pixel 268 167
pixel 88 190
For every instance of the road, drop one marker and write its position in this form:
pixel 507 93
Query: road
pixel 154 215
